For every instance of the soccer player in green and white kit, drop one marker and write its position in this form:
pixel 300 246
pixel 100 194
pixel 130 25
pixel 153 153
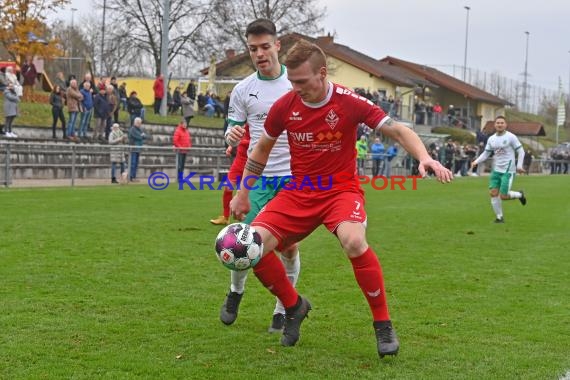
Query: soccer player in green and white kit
pixel 503 144
pixel 250 103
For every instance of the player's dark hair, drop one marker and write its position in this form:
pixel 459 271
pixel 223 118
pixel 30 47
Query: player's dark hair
pixel 501 117
pixel 304 51
pixel 261 26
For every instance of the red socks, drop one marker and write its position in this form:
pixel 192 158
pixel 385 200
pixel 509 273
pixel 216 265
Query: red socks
pixel 270 271
pixel 368 274
pixel 226 198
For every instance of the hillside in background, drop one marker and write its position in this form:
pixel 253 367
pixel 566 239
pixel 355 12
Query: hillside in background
pixel 550 129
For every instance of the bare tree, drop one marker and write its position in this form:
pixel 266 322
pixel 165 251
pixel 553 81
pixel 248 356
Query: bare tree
pixel 143 27
pixel 229 19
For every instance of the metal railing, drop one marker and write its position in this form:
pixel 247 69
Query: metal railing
pixel 22 160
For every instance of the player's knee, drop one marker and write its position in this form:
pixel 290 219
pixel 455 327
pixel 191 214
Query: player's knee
pixel 291 251
pixel 354 245
pixel 494 193
pixel 269 241
pixel 505 197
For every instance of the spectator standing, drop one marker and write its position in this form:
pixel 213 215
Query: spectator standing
pixel 60 81
pixel 176 100
pixel 123 95
pixel 527 161
pixel 449 154
pixel 102 110
pixel 390 154
pixel 117 138
pixel 117 96
pixel 13 79
pixel 158 88
pixel 361 153
pixel 89 78
pixel 74 98
pixel 187 108
pixel 30 74
pixel 11 100
pixel 86 109
pixel 56 100
pixel 135 107
pixel 437 110
pixel 113 101
pixel 136 138
pixel 377 150
pixel 451 115
pixel 182 142
pixel 191 89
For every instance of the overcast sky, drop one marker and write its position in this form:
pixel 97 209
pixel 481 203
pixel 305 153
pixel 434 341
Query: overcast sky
pixel 432 32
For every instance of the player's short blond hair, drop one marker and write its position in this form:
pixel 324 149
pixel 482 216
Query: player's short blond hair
pixel 304 51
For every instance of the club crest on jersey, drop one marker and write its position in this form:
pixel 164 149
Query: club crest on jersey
pixel 332 119
pixel 295 116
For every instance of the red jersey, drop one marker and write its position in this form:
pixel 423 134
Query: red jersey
pixel 322 138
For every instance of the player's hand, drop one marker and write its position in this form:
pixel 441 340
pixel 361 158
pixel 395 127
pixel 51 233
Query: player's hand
pixel 229 151
pixel 239 206
pixel 473 164
pixel 235 134
pixel 442 174
pixel 521 171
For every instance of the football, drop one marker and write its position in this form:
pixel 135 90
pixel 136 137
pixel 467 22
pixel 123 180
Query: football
pixel 239 246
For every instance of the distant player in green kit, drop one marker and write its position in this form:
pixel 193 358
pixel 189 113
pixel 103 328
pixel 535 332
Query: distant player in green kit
pixel 503 145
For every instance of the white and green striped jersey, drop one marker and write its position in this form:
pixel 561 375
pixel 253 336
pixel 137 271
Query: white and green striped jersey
pixel 503 148
pixel 250 102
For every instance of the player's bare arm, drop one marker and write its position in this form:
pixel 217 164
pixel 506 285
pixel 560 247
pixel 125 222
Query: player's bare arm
pixel 254 166
pixel 411 142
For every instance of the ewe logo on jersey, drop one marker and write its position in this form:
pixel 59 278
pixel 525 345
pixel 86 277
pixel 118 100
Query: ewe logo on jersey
pixel 295 116
pixel 332 119
pixel 302 136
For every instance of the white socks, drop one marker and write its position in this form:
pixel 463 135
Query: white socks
pixel 238 281
pixel 514 194
pixel 497 206
pixel 292 268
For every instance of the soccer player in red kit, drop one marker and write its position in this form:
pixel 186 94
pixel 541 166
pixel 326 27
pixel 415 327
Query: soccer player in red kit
pixel 236 169
pixel 321 120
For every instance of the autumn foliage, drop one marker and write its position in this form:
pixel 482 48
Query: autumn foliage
pixel 23 29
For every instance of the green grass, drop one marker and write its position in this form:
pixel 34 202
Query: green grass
pixel 39 115
pixel 122 283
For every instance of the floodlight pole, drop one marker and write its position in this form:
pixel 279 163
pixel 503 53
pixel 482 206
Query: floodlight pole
pixel 102 39
pixel 466 40
pixel 525 76
pixel 164 54
pixel 71 41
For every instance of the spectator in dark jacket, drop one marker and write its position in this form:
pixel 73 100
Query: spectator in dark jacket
pixel 136 138
pixel 191 89
pixel 135 107
pixel 86 110
pixel 102 110
pixel 56 100
pixel 29 73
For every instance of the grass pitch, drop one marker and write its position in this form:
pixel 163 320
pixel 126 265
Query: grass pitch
pixel 122 283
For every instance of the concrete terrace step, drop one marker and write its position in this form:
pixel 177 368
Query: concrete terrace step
pixel 159 135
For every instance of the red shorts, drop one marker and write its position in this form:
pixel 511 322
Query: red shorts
pixel 293 215
pixel 236 170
